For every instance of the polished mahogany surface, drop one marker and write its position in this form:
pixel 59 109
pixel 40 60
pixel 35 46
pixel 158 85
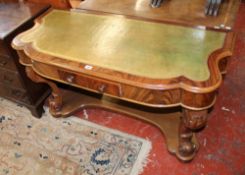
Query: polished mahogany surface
pixel 70 53
pixel 187 12
pixel 60 4
pixel 146 49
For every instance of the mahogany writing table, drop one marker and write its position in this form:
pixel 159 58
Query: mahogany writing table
pixel 148 63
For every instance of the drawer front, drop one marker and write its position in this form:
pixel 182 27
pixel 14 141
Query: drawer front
pixel 2 49
pixel 14 94
pixel 7 63
pixel 91 83
pixel 10 78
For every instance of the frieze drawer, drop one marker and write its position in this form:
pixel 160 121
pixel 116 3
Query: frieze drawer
pixel 95 84
pixel 7 63
pixel 10 78
pixel 2 49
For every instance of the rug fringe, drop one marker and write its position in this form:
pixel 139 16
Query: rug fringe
pixel 143 158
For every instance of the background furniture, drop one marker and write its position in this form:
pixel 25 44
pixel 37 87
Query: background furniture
pixel 14 84
pixel 187 12
pixel 59 4
pixel 211 8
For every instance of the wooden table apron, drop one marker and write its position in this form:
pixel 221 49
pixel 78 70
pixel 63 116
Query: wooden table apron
pixel 195 97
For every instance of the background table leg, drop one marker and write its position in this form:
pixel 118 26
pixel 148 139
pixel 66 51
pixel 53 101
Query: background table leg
pixel 55 99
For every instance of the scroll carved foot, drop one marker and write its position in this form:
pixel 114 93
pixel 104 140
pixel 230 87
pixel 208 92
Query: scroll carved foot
pixel 55 100
pixel 190 121
pixel 186 146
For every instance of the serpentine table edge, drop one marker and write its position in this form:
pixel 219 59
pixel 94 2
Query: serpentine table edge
pixel 195 98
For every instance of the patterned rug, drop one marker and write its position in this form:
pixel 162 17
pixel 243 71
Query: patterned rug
pixel 66 146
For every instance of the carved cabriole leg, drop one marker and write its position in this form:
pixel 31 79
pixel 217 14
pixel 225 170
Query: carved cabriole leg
pixel 55 100
pixel 190 120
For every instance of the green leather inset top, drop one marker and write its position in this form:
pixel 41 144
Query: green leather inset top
pixel 142 48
